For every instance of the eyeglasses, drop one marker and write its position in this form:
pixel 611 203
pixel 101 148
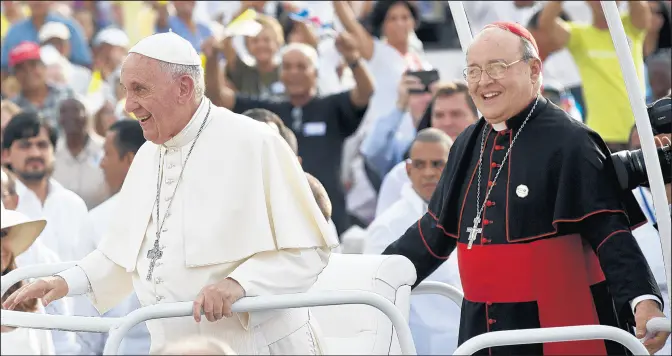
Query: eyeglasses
pixel 4 233
pixel 496 70
pixel 422 164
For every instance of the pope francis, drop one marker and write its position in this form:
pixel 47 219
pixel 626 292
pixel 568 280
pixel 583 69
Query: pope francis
pixel 215 207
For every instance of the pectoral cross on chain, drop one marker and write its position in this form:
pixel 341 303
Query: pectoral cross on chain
pixel 473 232
pixel 154 254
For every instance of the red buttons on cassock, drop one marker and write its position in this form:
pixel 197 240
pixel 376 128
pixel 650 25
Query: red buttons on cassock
pixel 487 222
pixel 490 183
pixel 486 241
pixel 499 147
pixel 491 321
pixel 489 203
pixel 494 165
pixel 488 303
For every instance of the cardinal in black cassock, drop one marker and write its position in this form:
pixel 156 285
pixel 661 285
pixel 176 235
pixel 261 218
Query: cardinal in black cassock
pixel 551 233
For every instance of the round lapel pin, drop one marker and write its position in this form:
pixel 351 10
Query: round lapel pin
pixel 522 191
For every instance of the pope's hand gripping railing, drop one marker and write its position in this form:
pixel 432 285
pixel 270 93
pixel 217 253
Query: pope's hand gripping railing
pixel 118 327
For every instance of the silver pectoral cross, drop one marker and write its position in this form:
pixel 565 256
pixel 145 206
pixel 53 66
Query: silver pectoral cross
pixel 154 254
pixel 473 232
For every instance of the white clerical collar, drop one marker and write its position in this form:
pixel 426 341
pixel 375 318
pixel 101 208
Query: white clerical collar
pixel 190 131
pixel 500 126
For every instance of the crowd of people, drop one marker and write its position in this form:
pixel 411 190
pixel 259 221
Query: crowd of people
pixel 348 85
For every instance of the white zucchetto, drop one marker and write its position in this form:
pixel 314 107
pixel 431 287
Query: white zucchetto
pixel 167 47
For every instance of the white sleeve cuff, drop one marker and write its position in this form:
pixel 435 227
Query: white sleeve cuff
pixel 78 282
pixel 634 302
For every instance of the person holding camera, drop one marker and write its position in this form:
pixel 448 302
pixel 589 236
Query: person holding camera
pixel 529 200
pixel 392 134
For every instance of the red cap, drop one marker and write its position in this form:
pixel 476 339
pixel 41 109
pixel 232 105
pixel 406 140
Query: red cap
pixel 517 29
pixel 25 51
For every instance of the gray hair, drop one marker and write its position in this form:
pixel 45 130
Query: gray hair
pixel 306 50
pixel 529 52
pixel 433 135
pixel 193 72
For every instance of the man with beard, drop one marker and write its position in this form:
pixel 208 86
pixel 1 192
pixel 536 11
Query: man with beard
pixel 28 145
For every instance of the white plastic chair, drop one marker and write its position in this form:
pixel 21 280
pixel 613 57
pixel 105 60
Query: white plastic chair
pixel 360 329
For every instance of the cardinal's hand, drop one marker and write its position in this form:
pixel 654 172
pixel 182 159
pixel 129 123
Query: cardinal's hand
pixel 216 300
pixel 49 289
pixel 645 311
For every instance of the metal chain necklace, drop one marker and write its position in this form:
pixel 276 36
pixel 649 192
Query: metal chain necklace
pixel 156 252
pixel 475 230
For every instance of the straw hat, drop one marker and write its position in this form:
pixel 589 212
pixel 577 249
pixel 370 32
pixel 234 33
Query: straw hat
pixel 23 230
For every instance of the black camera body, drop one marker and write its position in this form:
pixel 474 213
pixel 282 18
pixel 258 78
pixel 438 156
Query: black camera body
pixel 629 165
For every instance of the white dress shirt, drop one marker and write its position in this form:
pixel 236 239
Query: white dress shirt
pixel 64 211
pixel 434 320
pixel 137 341
pixel 82 174
pixel 390 189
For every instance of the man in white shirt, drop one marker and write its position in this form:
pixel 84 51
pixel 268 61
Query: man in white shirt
pixel 123 140
pixel 78 155
pixel 207 228
pixel 434 320
pixel 28 145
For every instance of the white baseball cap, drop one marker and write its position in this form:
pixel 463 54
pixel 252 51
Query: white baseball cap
pixel 23 230
pixel 112 36
pixel 53 30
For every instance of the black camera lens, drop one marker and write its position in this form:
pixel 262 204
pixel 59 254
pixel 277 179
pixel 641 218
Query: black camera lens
pixel 631 170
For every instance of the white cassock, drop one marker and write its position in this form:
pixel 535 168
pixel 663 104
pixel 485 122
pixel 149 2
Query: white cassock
pixel 243 210
pixel 434 320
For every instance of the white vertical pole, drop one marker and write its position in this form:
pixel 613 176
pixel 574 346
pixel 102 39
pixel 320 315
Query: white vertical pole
pixel 643 128
pixel 461 24
pixel 462 27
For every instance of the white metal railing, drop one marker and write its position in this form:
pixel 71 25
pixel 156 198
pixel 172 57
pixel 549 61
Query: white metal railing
pixel 118 327
pixel 442 289
pixel 568 333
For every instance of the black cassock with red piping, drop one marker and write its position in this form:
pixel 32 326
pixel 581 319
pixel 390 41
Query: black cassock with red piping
pixel 555 248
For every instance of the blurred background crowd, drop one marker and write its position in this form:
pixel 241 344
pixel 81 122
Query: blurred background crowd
pixel 67 141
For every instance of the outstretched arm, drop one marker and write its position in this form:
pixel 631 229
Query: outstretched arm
pixel 349 20
pixel 105 282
